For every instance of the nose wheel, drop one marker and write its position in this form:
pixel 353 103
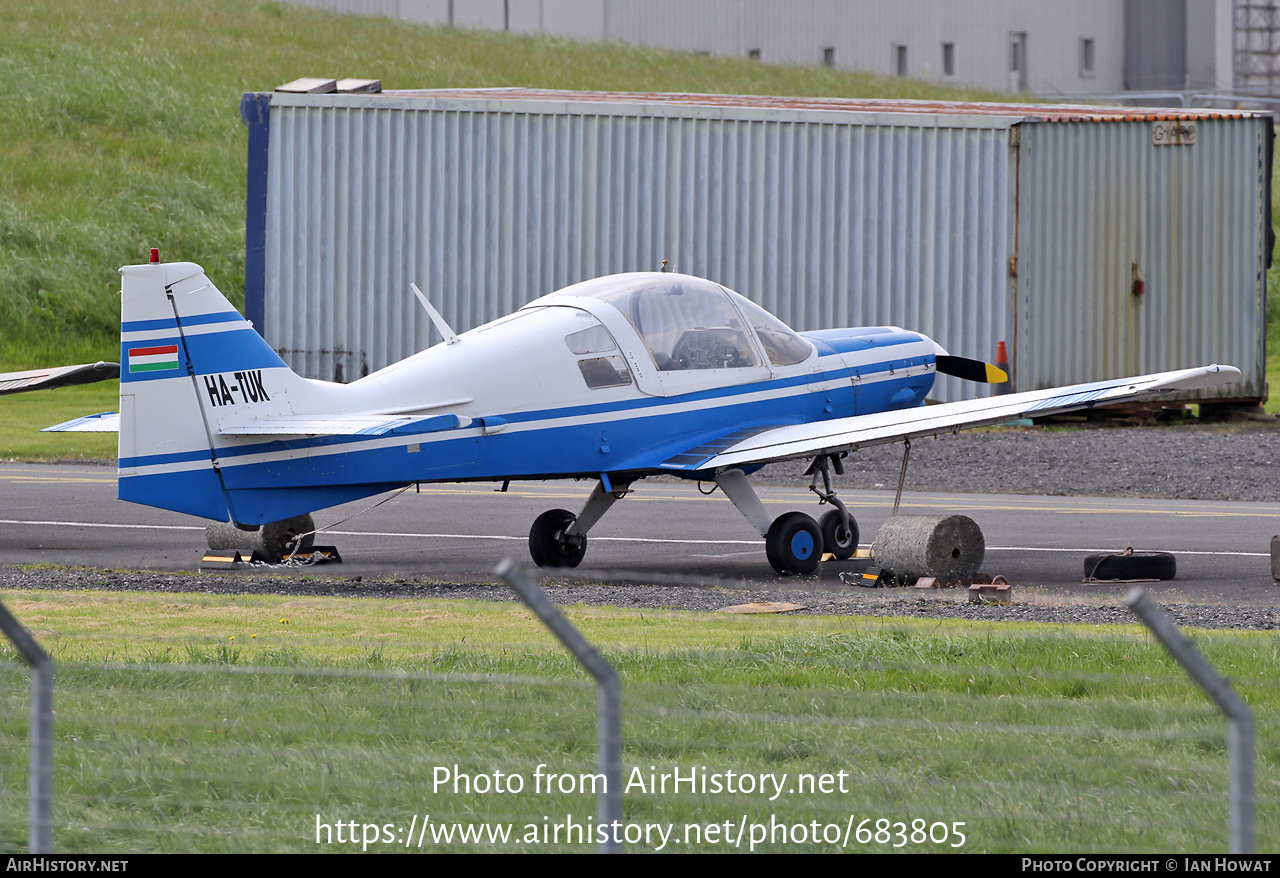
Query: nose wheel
pixel 839 534
pixel 839 530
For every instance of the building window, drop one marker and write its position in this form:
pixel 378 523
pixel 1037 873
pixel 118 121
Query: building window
pixel 1086 58
pixel 1018 62
pixel 948 59
pixel 899 60
pixel 829 57
pixel 753 54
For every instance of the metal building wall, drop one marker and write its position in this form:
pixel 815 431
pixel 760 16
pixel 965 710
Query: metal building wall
pixel 826 218
pixel 1098 197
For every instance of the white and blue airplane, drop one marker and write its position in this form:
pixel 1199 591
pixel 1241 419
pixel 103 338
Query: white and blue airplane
pixel 613 379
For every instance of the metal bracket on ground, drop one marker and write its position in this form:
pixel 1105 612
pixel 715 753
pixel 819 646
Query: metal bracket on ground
pixel 231 559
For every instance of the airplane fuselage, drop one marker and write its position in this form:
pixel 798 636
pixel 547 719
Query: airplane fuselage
pixel 572 385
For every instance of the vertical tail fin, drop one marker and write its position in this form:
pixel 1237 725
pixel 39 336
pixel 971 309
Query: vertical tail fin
pixel 186 356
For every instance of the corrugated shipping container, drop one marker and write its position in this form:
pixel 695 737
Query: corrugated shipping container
pixel 974 223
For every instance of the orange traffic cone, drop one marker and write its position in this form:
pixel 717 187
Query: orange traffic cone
pixel 1002 362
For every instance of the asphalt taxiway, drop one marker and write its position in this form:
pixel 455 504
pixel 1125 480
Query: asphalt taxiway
pixel 69 516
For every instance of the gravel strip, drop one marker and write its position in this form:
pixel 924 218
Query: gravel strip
pixel 1030 605
pixel 1229 462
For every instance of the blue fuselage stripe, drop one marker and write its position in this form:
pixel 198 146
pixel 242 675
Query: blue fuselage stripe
pixel 774 412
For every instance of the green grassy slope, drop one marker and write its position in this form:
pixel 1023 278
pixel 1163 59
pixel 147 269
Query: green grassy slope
pixel 122 131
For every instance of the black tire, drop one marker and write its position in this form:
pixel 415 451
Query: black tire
pixel 550 546
pixel 1139 565
pixel 794 544
pixel 838 539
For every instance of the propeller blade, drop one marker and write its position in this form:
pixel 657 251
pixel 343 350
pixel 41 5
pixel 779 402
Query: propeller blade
pixel 971 370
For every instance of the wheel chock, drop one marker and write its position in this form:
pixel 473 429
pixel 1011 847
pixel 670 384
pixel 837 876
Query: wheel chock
pixel 221 559
pixel 874 577
pixel 319 555
pixel 942 582
pixel 997 591
pixel 230 559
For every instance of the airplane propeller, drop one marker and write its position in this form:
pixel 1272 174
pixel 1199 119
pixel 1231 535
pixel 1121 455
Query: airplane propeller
pixel 971 370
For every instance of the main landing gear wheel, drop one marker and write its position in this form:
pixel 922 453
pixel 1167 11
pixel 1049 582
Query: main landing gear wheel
pixel 839 537
pixel 550 545
pixel 794 544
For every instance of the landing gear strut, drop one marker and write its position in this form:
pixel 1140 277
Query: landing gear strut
pixel 792 541
pixel 558 538
pixel 839 530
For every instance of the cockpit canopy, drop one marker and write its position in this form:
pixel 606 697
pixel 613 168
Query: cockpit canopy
pixel 689 323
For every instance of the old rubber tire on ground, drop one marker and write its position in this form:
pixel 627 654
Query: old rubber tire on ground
pixel 794 544
pixel 1139 565
pixel 837 538
pixel 272 541
pixel 550 546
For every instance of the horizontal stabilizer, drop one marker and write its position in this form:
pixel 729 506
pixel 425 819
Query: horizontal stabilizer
pixel 825 437
pixel 106 422
pixel 58 376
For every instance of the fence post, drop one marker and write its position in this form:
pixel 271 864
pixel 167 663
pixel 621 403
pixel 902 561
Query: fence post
pixel 1239 718
pixel 40 792
pixel 608 698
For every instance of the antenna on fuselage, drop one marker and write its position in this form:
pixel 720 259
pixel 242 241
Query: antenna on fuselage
pixel 445 330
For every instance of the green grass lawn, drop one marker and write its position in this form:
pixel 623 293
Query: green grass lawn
pixel 1038 738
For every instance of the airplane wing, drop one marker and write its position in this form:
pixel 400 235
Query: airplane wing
pixel 826 437
pixel 58 376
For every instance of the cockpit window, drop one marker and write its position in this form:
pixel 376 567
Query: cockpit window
pixel 686 323
pixel 592 340
pixel 604 371
pixel 781 344
pixel 595 339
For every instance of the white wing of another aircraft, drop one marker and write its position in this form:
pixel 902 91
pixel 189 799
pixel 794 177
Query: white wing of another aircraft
pixel 57 376
pixel 825 437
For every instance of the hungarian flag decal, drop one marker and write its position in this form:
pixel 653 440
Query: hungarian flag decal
pixel 157 359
